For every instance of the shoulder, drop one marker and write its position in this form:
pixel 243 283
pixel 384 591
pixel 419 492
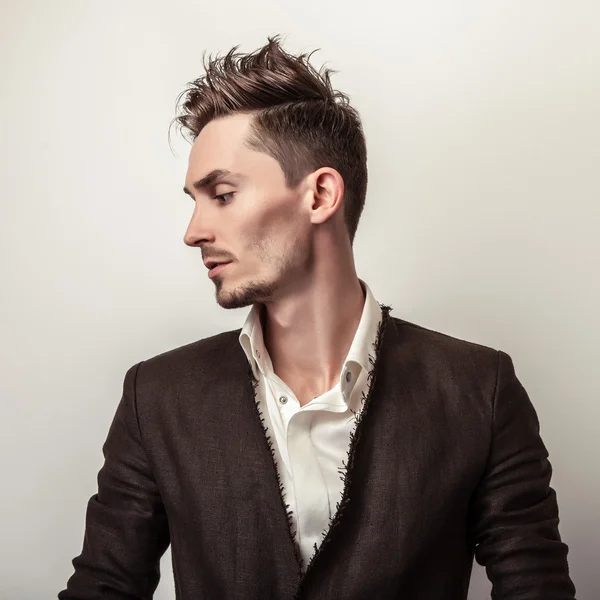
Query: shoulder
pixel 214 345
pixel 179 364
pixel 421 335
pixel 445 356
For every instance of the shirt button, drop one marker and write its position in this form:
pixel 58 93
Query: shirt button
pixel 283 399
pixel 348 376
pixel 258 354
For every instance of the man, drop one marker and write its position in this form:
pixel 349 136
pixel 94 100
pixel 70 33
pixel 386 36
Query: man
pixel 325 450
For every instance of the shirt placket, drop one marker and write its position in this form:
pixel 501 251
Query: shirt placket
pixel 310 489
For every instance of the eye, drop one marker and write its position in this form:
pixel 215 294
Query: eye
pixel 222 199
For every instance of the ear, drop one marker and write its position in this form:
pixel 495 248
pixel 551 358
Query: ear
pixel 327 193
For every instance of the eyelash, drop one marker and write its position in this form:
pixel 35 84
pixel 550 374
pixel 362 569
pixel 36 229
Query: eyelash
pixel 221 198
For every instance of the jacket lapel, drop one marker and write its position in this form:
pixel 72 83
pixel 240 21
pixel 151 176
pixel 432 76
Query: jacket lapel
pixel 348 466
pixel 279 511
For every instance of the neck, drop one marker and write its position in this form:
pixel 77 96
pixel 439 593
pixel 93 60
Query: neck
pixel 309 331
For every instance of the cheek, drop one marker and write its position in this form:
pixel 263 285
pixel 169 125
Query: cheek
pixel 273 247
pixel 276 235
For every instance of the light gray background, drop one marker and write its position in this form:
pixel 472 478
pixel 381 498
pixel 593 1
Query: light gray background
pixel 482 220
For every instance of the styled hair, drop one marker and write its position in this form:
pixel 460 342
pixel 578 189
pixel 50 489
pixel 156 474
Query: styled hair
pixel 300 120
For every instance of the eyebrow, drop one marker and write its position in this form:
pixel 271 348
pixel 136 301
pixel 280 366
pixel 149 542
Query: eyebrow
pixel 213 177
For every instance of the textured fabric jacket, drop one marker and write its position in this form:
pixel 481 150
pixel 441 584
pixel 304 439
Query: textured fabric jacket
pixel 445 463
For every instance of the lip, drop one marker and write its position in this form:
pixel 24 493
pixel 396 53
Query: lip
pixel 216 270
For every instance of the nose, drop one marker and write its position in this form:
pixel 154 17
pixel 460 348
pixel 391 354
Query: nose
pixel 195 239
pixel 196 234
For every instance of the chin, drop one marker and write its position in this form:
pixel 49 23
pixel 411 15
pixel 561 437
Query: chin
pixel 244 294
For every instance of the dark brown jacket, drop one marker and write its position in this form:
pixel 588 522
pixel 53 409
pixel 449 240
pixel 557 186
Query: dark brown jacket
pixel 446 463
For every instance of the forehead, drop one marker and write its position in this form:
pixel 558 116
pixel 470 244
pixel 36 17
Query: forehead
pixel 221 141
pixel 220 145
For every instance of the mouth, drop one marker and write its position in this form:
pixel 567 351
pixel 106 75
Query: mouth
pixel 216 268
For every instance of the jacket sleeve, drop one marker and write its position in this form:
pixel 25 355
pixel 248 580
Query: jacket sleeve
pixel 126 528
pixel 515 512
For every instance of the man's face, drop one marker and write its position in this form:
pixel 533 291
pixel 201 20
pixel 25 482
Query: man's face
pixel 260 225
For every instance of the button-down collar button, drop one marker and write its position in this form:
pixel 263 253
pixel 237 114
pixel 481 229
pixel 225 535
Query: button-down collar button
pixel 283 399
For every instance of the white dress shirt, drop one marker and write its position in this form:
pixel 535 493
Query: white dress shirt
pixel 312 441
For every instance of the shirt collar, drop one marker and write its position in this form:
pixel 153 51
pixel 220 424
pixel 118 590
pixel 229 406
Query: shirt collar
pixel 357 359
